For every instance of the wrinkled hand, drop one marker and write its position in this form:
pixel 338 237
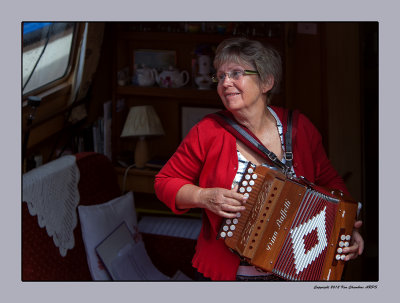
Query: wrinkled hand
pixel 357 243
pixel 223 202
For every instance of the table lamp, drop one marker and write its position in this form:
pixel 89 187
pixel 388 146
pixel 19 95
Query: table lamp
pixel 142 121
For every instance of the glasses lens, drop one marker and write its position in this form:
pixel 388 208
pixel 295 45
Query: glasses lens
pixel 236 74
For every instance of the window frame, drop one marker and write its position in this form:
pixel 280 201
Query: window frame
pixel 55 99
pixel 48 88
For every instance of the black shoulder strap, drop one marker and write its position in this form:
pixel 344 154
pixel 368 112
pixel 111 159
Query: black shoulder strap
pixel 288 140
pixel 244 135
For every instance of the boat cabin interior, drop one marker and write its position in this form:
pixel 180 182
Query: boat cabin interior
pixel 106 104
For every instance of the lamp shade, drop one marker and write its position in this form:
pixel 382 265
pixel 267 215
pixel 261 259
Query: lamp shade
pixel 142 121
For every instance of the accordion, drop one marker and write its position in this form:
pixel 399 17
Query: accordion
pixel 291 227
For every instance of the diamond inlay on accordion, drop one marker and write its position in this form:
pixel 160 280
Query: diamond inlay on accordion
pixel 291 228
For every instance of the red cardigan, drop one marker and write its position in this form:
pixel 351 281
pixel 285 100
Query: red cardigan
pixel 207 157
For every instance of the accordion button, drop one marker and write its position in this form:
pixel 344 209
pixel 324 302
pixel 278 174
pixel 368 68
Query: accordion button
pixel 246 195
pixel 251 183
pixel 228 221
pixel 238 215
pixel 346 244
pixel 223 234
pixel 235 221
pixel 348 237
pixel 242 189
pixel 244 183
pixel 343 237
pixel 250 170
pixel 254 176
pixel 230 234
pixel 225 228
pixel 232 227
pixel 339 250
pixel 342 257
pixel 338 257
pixel 247 177
pixel 249 189
pixel 341 243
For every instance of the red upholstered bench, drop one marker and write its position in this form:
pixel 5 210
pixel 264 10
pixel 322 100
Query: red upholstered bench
pixel 41 259
pixel 98 184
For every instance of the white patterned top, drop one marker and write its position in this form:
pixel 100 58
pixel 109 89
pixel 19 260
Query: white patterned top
pixel 243 161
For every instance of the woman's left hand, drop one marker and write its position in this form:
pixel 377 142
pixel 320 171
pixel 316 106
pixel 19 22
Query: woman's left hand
pixel 357 244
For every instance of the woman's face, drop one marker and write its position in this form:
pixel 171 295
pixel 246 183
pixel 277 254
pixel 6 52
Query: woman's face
pixel 243 93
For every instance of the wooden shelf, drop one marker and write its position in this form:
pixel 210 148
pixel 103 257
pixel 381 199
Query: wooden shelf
pixel 183 93
pixel 178 37
pixel 141 183
pixel 137 180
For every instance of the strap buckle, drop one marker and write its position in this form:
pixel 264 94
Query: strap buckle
pixel 289 156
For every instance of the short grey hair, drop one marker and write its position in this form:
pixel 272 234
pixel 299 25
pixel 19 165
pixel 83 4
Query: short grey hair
pixel 265 59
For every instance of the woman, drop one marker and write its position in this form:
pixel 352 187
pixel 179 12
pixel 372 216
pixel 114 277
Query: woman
pixel 204 170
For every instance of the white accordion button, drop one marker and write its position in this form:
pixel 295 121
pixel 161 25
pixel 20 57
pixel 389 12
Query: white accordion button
pixel 249 189
pixel 247 177
pixel 223 234
pixel 244 183
pixel 225 228
pixel 230 234
pixel 238 215
pixel 346 244
pixel 228 221
pixel 339 250
pixel 254 176
pixel 342 257
pixel 246 195
pixel 235 221
pixel 242 189
pixel 232 227
pixel 251 183
pixel 250 170
pixel 342 237
pixel 348 237
pixel 338 257
pixel 341 243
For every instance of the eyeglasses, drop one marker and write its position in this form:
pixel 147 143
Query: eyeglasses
pixel 233 75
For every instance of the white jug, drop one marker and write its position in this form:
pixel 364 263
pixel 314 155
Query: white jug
pixel 144 76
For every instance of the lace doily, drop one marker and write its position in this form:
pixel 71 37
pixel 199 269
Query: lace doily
pixel 51 193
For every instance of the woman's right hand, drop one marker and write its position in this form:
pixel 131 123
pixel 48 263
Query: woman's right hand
pixel 223 202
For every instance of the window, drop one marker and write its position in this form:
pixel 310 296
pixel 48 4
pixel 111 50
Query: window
pixel 46 53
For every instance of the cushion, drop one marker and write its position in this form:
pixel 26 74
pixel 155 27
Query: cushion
pixel 98 221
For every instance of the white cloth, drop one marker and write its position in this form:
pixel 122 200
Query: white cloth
pixel 51 193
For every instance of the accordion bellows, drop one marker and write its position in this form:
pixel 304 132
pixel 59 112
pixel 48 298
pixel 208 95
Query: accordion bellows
pixel 291 228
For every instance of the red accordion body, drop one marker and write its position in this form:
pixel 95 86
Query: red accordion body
pixel 291 228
